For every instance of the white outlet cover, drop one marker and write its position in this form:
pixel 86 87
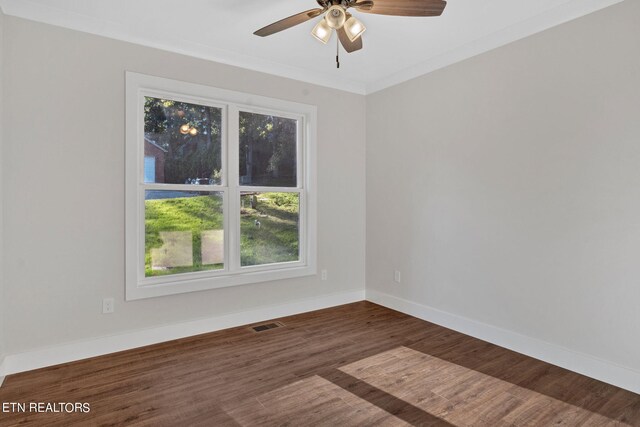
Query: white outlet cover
pixel 107 305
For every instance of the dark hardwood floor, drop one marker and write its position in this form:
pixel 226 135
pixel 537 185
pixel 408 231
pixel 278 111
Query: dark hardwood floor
pixel 358 364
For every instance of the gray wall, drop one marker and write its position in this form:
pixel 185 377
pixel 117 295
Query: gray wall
pixel 2 168
pixel 64 184
pixel 506 188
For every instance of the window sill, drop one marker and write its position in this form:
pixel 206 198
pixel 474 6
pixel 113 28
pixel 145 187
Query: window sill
pixel 183 285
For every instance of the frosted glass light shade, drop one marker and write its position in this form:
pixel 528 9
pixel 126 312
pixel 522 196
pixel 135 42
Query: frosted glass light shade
pixel 354 28
pixel 335 16
pixel 322 31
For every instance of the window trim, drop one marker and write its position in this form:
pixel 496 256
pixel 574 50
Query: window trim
pixel 232 103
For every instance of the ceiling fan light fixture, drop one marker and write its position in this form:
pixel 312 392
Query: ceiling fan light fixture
pixel 322 31
pixel 354 28
pixel 335 16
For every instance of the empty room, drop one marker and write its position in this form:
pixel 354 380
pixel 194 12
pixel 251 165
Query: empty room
pixel 320 213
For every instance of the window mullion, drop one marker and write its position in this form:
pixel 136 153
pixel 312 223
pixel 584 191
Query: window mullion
pixel 233 198
pixel 267 189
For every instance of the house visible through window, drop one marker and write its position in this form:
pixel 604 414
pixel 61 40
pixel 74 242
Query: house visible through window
pixel 218 193
pixel 154 155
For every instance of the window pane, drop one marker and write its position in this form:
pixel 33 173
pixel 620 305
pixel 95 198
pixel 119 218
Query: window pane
pixel 268 147
pixel 182 142
pixel 183 232
pixel 269 228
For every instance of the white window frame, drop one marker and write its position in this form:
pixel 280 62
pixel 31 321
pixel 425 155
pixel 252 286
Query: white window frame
pixel 138 86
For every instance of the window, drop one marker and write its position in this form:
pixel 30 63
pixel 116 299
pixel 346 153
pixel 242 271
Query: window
pixel 220 188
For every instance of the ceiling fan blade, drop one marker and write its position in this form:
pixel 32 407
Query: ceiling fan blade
pixel 402 7
pixel 289 22
pixel 362 5
pixel 349 46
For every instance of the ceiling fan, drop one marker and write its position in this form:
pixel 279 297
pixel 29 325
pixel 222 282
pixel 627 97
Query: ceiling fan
pixel 349 29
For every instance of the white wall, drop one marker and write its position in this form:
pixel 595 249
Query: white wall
pixel 64 187
pixel 506 188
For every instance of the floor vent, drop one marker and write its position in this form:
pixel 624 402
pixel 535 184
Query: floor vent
pixel 266 326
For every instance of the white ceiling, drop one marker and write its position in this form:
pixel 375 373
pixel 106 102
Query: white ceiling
pixel 395 48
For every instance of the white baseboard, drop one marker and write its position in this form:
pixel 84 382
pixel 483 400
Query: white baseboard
pixel 620 376
pixel 14 363
pixel 581 363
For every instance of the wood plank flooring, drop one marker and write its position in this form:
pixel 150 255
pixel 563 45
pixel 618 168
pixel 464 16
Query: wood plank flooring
pixel 354 365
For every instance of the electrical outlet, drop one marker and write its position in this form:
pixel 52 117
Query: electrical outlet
pixel 323 274
pixel 397 276
pixel 107 306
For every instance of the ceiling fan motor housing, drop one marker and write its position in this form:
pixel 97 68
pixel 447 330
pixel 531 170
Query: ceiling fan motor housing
pixel 329 3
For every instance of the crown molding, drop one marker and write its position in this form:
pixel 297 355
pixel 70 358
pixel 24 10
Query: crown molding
pixel 58 17
pixel 565 12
